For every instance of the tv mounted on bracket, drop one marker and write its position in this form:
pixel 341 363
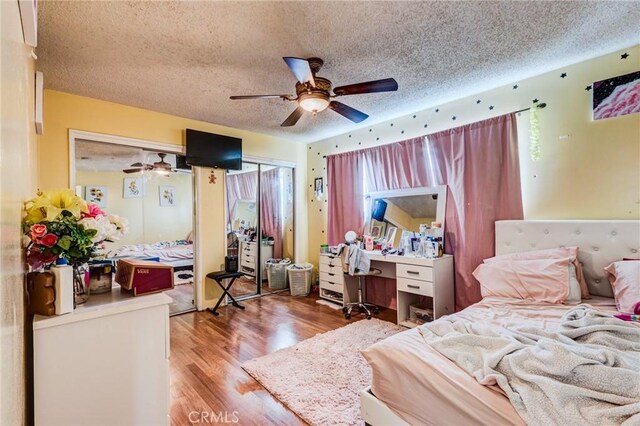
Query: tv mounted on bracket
pixel 211 150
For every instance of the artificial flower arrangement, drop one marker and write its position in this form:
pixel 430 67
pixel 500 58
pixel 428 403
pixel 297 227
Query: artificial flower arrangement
pixel 62 225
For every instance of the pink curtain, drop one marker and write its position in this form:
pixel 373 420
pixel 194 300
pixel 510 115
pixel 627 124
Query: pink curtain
pixel 479 164
pixel 240 186
pixel 270 208
pixel 345 184
pixel 395 166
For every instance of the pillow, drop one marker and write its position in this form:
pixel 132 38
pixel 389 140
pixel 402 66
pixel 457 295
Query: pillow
pixel 625 282
pixel 544 280
pixel 556 253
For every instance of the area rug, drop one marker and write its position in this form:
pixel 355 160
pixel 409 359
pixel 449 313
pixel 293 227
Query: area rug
pixel 320 378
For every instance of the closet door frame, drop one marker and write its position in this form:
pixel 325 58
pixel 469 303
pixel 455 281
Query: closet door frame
pixel 260 161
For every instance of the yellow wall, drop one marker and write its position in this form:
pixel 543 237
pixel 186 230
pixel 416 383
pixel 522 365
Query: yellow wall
pixel 588 170
pixel 64 111
pixel 18 174
pixel 148 221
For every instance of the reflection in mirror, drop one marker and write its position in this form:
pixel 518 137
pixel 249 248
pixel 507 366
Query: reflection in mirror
pixel 154 192
pixel 270 217
pixel 398 214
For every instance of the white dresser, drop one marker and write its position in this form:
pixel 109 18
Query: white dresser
pixel 106 363
pixel 417 279
pixel 248 257
pixel 331 278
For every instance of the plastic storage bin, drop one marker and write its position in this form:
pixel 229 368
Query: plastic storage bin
pixel 300 278
pixel 277 273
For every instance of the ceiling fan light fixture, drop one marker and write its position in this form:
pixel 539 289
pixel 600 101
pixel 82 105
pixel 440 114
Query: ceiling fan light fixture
pixel 313 102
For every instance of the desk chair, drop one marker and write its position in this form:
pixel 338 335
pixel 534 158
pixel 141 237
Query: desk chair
pixel 361 305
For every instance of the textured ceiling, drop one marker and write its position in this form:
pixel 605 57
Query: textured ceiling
pixel 187 58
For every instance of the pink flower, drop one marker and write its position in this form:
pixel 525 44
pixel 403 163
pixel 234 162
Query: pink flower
pixel 37 259
pixel 94 211
pixel 49 240
pixel 38 231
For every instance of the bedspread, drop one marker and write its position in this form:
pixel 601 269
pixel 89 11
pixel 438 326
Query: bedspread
pixel 584 371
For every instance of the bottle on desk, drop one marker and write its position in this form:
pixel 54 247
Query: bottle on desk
pixel 63 287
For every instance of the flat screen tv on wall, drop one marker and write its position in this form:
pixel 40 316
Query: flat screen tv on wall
pixel 211 150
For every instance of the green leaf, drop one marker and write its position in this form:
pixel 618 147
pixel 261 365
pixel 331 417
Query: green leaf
pixel 91 232
pixel 65 242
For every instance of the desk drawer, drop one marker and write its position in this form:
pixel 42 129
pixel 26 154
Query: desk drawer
pixel 249 262
pixel 330 260
pixel 407 285
pixel 329 269
pixel 327 285
pixel 422 273
pixel 337 278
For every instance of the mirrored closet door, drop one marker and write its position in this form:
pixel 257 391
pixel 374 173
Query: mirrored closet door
pixel 260 226
pixel 153 191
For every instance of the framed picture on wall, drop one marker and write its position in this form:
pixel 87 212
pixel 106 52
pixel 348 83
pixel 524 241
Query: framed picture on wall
pixel 318 187
pixel 133 188
pixel 96 194
pixel 616 96
pixel 167 196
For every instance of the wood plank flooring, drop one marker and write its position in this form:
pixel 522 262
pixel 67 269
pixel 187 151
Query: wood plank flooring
pixel 207 351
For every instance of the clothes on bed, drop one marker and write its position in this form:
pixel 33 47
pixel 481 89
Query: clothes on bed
pixel 166 251
pixel 424 387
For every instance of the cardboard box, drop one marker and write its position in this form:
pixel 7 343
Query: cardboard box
pixel 140 277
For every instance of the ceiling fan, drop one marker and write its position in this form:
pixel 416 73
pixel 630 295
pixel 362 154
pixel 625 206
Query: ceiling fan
pixel 313 93
pixel 161 167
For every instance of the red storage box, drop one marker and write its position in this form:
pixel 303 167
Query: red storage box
pixel 143 277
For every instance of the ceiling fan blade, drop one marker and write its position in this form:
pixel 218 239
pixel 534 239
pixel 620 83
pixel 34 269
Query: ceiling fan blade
pixel 286 97
pixel 137 165
pixel 293 118
pixel 301 69
pixel 348 112
pixel 385 85
pixel 135 170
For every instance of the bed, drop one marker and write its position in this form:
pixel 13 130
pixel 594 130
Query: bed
pixel 177 253
pixel 412 383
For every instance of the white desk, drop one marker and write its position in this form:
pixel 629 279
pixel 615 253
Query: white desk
pixel 416 278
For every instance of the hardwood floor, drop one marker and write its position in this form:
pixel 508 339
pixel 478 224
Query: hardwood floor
pixel 182 296
pixel 207 351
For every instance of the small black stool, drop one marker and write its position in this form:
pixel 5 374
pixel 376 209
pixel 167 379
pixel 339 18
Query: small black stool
pixel 218 277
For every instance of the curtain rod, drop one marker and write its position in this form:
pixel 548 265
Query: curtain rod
pixel 540 105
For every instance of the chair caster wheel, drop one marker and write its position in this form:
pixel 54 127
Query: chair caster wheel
pixel 344 310
pixel 347 316
pixel 368 317
pixel 376 311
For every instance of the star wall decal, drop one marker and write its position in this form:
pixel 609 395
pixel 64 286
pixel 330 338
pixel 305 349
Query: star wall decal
pixel 491 107
pixel 563 75
pixel 625 55
pixel 478 101
pixel 515 86
pixel 453 118
pixel 588 88
pixel 535 101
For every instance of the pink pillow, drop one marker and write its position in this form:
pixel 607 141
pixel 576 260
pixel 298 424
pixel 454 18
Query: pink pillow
pixel 556 253
pixel 625 281
pixel 544 280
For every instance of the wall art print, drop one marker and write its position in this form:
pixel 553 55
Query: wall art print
pixel 616 96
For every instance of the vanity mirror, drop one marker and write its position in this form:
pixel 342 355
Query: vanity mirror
pixel 406 210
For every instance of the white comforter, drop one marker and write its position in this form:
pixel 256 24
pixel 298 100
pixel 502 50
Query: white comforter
pixel 167 251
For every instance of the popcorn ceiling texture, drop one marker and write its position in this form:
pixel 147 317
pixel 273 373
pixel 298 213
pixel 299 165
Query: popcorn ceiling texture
pixel 187 58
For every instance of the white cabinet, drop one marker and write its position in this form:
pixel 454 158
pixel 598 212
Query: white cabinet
pixel 430 282
pixel 106 363
pixel 331 278
pixel 249 257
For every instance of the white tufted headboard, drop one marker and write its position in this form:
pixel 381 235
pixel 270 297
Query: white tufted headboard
pixel 600 242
